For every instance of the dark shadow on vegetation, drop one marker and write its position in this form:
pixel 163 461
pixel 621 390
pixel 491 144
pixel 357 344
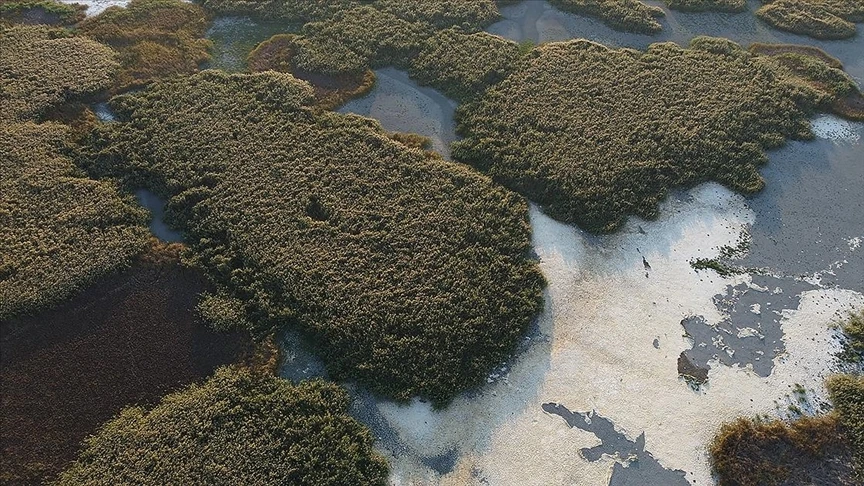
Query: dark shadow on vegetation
pixel 130 338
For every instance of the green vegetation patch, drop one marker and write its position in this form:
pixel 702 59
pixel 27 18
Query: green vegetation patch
pixel 820 19
pixel 462 65
pixel 236 428
pixel 624 15
pixel 47 12
pixel 60 231
pixel 155 38
pixel 410 273
pixel 707 5
pixel 595 134
pixel 42 67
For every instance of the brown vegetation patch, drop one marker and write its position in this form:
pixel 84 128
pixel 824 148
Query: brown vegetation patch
pixel 810 450
pixel 763 49
pixel 129 339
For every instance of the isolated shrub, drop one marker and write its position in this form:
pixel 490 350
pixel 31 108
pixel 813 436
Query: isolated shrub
pixel 60 231
pixel 223 312
pixel 236 428
pixel 820 19
pixel 624 15
pixel 411 274
pixel 707 5
pixel 463 65
pixel 853 330
pixel 42 67
pixel 154 39
pixel 595 134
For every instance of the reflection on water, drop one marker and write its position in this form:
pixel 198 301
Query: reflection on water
pixel 401 105
pixel 156 205
pixel 235 37
pixel 538 21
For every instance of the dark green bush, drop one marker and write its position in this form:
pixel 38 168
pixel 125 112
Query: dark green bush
pixel 42 67
pixel 624 15
pixel 237 428
pixel 410 273
pixel 821 19
pixel 155 38
pixel 707 5
pixel 463 65
pixel 595 134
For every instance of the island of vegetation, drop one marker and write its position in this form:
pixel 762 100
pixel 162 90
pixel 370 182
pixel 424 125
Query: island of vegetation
pixel 410 273
pixel 820 19
pixel 624 15
pixel 238 427
pixel 707 5
pixel 595 134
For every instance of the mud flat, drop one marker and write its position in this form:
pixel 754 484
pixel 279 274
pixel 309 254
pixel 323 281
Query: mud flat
pixel 401 105
pixel 537 21
pixel 95 7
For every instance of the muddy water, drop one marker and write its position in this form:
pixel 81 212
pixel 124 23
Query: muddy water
pixel 156 205
pixel 537 21
pixel 401 105
pixel 234 38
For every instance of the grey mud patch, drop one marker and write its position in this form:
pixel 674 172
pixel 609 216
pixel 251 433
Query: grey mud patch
pixel 633 464
pixel 750 335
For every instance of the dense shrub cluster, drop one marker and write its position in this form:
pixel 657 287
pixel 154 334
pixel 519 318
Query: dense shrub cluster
pixel 409 272
pixel 827 449
pixel 821 19
pixel 236 428
pixel 155 38
pixel 707 5
pixel 42 67
pixel 815 69
pixel 853 347
pixel 291 11
pixel 60 231
pixel 349 38
pixel 595 134
pixel 47 12
pixel 463 65
pixel 624 15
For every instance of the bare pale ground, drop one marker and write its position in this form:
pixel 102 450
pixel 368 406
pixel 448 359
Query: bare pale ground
pixel 835 128
pixel 595 351
pixel 95 7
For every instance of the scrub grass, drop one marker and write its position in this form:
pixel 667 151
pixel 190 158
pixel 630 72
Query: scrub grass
pixel 43 67
pixel 40 12
pixel 154 39
pixel 463 65
pixel 410 274
pixel 623 15
pixel 238 427
pixel 853 345
pixel 595 134
pixel 820 19
pixel 61 231
pixel 825 449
